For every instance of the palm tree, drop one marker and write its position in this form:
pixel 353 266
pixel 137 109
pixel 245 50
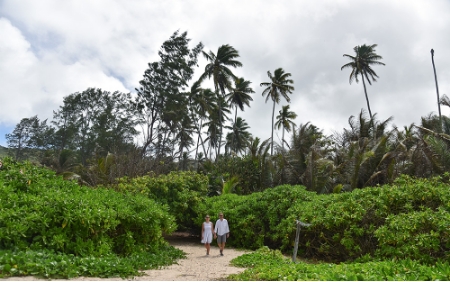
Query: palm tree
pixel 201 102
pixel 218 69
pixel 240 95
pixel 279 84
pixel 215 122
pixel 184 135
pixel 258 152
pixel 238 138
pixel 284 119
pixel 360 64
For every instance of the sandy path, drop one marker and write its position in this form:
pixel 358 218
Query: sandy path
pixel 196 267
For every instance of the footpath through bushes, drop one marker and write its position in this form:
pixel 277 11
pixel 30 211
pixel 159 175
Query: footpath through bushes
pixel 55 228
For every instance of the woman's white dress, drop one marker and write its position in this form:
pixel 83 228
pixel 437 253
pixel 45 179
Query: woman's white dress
pixel 207 232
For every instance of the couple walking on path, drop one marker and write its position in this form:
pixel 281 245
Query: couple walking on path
pixel 221 232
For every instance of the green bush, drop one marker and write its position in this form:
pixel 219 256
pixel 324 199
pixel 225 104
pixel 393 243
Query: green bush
pixel 270 265
pixel 254 219
pixel 48 264
pixel 39 210
pixel 408 219
pixel 421 236
pixel 181 191
pixel 350 225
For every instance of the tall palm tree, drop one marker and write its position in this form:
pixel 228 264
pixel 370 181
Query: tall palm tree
pixel 215 122
pixel 360 64
pixel 240 95
pixel 284 120
pixel 184 135
pixel 218 69
pixel 279 85
pixel 201 102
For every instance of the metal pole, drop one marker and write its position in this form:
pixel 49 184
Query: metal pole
pixel 297 235
pixel 437 88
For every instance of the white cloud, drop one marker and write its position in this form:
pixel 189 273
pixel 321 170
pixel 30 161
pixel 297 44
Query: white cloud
pixel 56 48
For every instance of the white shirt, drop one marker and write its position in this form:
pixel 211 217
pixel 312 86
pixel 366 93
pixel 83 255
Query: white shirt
pixel 221 227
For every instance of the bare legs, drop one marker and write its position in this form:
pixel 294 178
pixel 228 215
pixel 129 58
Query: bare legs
pixel 208 247
pixel 221 247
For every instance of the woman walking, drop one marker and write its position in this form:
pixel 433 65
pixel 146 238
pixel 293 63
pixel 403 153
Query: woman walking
pixel 207 234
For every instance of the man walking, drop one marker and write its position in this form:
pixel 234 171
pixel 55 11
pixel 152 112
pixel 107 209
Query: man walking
pixel 222 232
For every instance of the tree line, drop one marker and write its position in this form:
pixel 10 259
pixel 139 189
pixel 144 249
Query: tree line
pixel 174 123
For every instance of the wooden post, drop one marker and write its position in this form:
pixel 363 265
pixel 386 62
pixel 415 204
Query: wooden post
pixel 297 235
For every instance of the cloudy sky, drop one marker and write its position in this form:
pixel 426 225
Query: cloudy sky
pixel 50 49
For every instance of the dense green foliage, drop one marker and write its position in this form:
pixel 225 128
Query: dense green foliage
pixel 409 219
pixel 181 191
pixel 77 230
pixel 47 264
pixel 40 210
pixel 270 265
pixel 255 218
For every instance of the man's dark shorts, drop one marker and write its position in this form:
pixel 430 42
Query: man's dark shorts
pixel 221 238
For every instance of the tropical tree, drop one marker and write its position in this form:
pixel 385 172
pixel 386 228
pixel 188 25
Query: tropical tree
pixel 163 88
pixel 29 133
pixel 303 139
pixel 184 136
pixel 284 120
pixel 258 153
pixel 360 64
pixel 215 122
pixel 201 103
pixel 366 155
pixel 240 95
pixel 279 85
pixel 238 138
pixel 218 69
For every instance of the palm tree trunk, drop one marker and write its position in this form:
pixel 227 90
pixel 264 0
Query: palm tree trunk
pixel 273 115
pixel 367 97
pixel 199 138
pixel 221 125
pixel 196 151
pixel 437 88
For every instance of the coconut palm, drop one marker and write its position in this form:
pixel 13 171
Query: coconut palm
pixel 215 122
pixel 240 95
pixel 258 152
pixel 201 102
pixel 279 85
pixel 360 64
pixel 218 69
pixel 284 120
pixel 238 138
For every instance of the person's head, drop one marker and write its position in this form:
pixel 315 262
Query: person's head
pixel 220 215
pixel 207 217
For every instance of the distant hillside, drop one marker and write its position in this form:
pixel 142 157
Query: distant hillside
pixel 3 151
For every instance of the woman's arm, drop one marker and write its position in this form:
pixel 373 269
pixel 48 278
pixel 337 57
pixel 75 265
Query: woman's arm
pixel 203 229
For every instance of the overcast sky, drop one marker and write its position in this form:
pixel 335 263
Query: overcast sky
pixel 50 49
